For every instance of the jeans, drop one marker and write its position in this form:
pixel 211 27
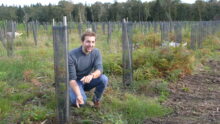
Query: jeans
pixel 99 83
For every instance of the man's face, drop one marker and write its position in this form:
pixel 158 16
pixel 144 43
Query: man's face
pixel 89 43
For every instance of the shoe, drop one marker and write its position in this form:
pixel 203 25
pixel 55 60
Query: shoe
pixel 96 104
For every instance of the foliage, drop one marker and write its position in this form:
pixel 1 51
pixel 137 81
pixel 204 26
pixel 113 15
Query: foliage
pixel 212 42
pixel 134 10
pixel 20 14
pixel 165 62
pixel 112 64
pixel 152 40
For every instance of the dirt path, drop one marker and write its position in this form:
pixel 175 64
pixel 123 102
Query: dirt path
pixel 195 99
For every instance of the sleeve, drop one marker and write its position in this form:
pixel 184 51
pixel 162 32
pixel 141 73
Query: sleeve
pixel 98 62
pixel 72 68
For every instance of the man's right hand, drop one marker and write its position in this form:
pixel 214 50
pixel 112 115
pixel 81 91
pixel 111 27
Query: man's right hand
pixel 87 79
pixel 79 101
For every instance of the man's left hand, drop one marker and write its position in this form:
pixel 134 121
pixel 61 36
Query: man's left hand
pixel 87 79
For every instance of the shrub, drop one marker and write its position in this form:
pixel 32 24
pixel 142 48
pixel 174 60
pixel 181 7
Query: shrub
pixel 165 62
pixel 112 64
pixel 151 40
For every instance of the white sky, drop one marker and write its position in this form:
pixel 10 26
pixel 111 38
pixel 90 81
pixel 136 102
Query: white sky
pixel 46 2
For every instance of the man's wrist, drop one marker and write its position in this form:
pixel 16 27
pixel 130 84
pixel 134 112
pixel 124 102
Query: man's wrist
pixel 79 96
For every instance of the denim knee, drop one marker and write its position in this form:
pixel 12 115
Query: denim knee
pixel 73 97
pixel 104 80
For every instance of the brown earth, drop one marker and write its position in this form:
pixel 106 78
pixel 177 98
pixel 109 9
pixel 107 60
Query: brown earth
pixel 195 99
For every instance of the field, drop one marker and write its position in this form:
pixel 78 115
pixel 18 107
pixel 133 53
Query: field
pixel 164 78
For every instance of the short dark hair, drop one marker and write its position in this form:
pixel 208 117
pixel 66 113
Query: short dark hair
pixel 88 33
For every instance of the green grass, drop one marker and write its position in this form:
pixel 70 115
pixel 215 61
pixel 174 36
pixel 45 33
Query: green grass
pixel 5 107
pixel 18 92
pixel 24 99
pixel 38 113
pixel 126 108
pixel 135 109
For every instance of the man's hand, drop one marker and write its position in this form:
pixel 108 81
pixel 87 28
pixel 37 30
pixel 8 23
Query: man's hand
pixel 79 100
pixel 76 89
pixel 87 79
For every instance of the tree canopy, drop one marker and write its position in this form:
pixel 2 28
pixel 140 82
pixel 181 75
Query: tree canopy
pixel 133 10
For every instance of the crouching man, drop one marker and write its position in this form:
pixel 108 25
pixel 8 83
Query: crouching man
pixel 85 71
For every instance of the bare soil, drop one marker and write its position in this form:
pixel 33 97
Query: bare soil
pixel 195 99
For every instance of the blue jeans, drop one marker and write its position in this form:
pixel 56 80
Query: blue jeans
pixel 99 83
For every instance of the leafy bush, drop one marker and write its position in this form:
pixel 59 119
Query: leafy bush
pixel 164 62
pixel 169 63
pixel 112 64
pixel 151 40
pixel 211 42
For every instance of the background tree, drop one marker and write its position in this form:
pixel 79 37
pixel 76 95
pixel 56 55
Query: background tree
pixel 199 9
pixel 88 14
pixel 20 14
pixel 96 10
pixel 67 7
pixel 146 11
pixel 157 12
pixel 78 13
pixel 7 13
pixel 133 10
pixel 184 12
pixel 115 11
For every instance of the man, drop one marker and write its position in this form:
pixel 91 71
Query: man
pixel 85 71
